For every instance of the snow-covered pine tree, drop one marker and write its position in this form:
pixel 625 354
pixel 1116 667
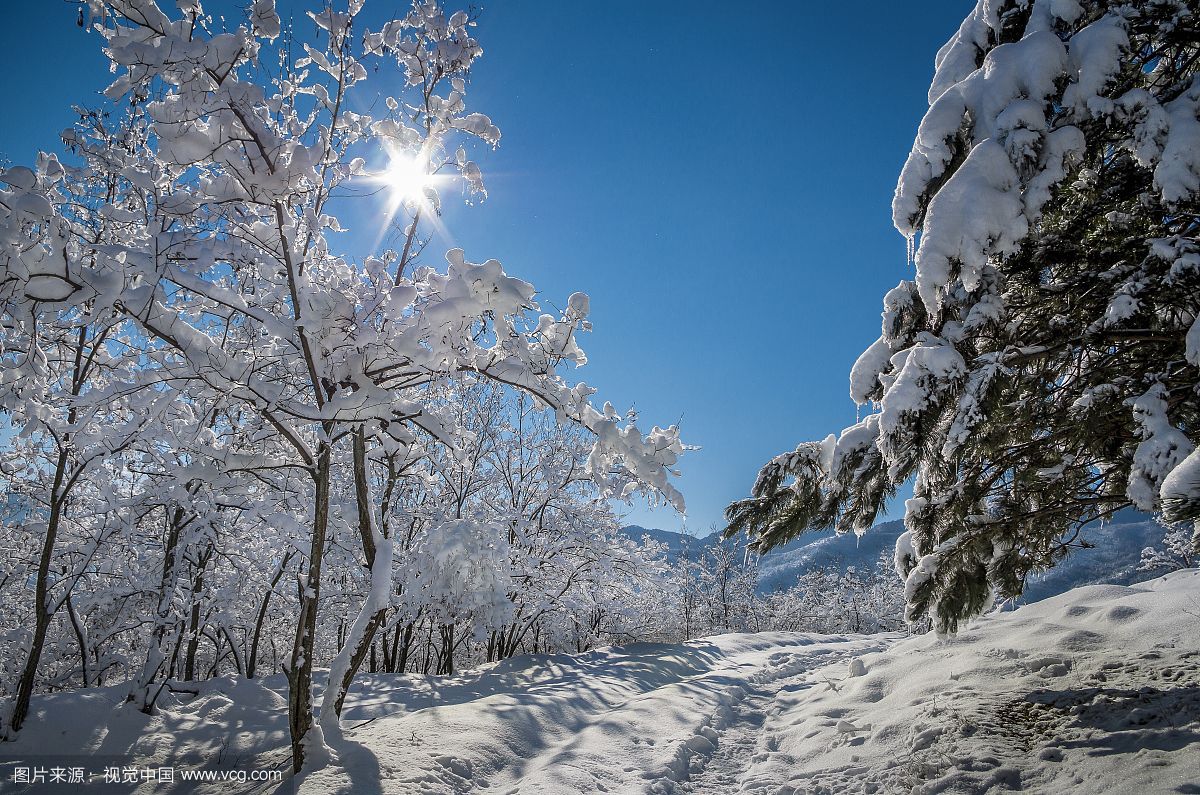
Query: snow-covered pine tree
pixel 1040 370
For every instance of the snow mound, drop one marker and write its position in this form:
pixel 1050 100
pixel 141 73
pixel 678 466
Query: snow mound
pixel 223 724
pixel 1095 690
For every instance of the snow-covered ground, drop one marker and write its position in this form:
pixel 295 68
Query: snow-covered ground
pixel 1096 690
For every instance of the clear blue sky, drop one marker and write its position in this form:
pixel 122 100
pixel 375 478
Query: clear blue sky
pixel 717 176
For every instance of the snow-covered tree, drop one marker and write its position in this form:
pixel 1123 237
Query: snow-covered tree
pixel 312 381
pixel 1178 550
pixel 68 385
pixel 714 589
pixel 538 562
pixel 1040 369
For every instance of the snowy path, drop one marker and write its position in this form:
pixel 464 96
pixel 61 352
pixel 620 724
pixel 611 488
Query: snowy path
pixel 651 718
pixel 747 738
pixel 737 743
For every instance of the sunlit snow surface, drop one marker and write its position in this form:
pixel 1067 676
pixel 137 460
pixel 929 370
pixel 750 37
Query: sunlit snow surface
pixel 1096 690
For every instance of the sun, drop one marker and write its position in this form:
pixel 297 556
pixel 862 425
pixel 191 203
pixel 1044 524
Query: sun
pixel 406 178
pixel 409 182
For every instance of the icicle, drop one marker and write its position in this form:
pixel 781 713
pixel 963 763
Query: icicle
pixel 910 241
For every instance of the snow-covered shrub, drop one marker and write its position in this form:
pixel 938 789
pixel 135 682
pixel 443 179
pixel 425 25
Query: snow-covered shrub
pixel 1180 549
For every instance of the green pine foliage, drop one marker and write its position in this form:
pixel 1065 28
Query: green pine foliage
pixel 1041 370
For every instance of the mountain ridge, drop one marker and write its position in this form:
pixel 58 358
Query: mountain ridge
pixel 1111 557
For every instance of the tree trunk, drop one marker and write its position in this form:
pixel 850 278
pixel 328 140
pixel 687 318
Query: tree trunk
pixel 446 658
pixel 41 619
pixel 58 498
pixel 402 660
pixel 233 650
pixel 216 642
pixel 360 652
pixel 252 660
pixel 377 550
pixel 428 649
pixel 143 692
pixel 300 667
pixel 81 639
pixel 388 650
pixel 193 643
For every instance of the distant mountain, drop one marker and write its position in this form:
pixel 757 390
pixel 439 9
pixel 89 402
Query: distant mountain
pixel 780 567
pixel 1113 557
pixel 675 542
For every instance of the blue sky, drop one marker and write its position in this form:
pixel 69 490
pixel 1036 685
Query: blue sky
pixel 717 176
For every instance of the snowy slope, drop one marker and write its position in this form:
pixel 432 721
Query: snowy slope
pixel 233 725
pixel 634 719
pixel 1096 690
